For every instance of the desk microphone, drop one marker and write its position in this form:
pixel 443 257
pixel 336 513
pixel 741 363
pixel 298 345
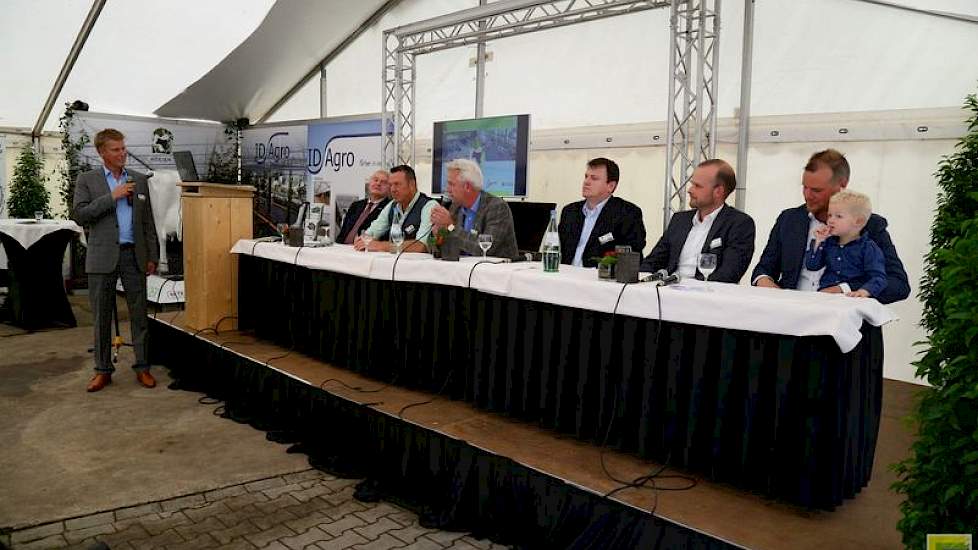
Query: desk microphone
pixel 669 279
pixel 662 276
pixel 657 276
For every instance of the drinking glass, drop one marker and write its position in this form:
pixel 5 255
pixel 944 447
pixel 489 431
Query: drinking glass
pixel 397 237
pixel 708 264
pixel 38 215
pixel 485 243
pixel 367 239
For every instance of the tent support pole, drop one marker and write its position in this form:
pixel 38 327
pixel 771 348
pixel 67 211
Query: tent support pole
pixel 69 63
pixel 743 117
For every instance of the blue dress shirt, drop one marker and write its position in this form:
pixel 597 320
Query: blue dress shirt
pixel 590 218
pixel 859 263
pixel 468 214
pixel 123 209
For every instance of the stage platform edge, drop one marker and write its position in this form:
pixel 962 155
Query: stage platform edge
pixel 462 468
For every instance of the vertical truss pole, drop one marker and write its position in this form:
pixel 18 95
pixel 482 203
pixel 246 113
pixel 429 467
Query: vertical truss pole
pixel 714 78
pixel 668 184
pixel 397 113
pixel 409 132
pixel 691 122
pixel 387 107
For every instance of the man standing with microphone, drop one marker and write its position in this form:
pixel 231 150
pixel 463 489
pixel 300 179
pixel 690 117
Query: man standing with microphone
pixel 113 205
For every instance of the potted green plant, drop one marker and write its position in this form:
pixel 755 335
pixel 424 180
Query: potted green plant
pixel 27 192
pixel 606 265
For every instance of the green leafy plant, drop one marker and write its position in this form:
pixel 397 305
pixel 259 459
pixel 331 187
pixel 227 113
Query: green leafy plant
pixel 223 164
pixel 73 165
pixel 27 191
pixel 940 478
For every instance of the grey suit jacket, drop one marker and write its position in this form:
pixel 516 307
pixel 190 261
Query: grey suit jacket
pixel 494 218
pixel 94 209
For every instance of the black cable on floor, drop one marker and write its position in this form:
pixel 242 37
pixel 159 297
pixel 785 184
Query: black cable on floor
pixel 400 414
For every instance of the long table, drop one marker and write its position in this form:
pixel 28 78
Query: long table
pixel 775 392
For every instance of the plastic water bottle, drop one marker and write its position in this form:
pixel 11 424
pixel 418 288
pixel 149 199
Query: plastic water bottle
pixel 551 246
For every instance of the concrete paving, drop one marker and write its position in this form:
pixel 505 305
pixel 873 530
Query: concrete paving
pixel 153 468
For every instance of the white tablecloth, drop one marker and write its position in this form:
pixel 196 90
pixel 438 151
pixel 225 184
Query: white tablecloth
pixel 721 305
pixel 28 232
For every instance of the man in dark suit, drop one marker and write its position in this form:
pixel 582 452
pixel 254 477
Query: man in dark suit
pixel 782 262
pixel 473 212
pixel 364 211
pixel 710 227
pixel 113 204
pixel 597 224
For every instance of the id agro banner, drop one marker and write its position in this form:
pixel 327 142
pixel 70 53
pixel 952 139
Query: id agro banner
pixel 341 157
pixel 273 160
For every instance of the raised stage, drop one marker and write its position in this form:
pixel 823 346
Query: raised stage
pixel 464 468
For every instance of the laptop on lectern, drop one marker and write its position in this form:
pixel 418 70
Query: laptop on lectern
pixel 185 165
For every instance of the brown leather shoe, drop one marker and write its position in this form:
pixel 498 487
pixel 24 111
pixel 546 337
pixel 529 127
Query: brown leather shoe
pixel 99 381
pixel 146 379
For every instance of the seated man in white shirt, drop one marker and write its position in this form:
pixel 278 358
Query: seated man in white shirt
pixel 711 226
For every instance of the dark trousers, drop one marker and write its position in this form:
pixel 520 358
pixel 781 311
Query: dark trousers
pixel 101 293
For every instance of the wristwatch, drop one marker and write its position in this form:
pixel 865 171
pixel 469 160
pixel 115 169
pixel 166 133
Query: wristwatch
pixel 451 227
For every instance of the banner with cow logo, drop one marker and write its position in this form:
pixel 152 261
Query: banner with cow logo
pixel 151 142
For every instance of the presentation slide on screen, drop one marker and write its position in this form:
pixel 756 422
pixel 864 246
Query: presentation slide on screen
pixel 494 143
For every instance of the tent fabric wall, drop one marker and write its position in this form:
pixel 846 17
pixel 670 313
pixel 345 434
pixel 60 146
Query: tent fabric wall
pixel 138 55
pixel 810 56
pixel 291 40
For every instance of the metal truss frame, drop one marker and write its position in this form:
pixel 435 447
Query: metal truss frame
pixel 472 26
pixel 691 124
pixel 693 60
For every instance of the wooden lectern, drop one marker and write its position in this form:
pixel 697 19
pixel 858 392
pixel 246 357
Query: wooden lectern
pixel 215 216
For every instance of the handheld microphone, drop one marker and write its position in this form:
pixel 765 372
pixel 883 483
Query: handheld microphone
pixel 131 181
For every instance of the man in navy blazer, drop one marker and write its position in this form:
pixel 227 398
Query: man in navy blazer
pixel 710 227
pixel 597 224
pixel 782 262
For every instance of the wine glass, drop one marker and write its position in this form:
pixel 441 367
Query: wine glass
pixel 485 243
pixel 397 237
pixel 367 238
pixel 708 264
pixel 283 230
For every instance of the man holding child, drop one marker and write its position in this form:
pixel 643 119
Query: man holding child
pixel 782 264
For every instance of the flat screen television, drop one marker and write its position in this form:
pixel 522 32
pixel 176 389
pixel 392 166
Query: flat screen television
pixel 500 145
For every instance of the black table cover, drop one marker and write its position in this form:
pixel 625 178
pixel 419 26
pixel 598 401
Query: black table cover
pixel 788 417
pixel 36 294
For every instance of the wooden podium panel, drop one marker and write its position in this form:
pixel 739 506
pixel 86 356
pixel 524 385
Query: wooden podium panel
pixel 215 216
